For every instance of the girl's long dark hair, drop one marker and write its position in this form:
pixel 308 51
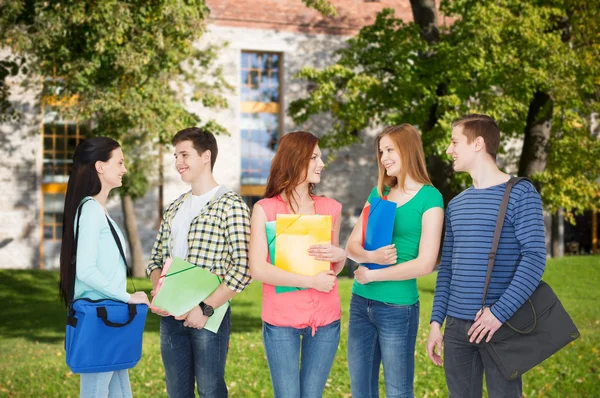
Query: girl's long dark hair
pixel 83 181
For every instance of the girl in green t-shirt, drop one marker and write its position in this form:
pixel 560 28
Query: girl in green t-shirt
pixel 384 310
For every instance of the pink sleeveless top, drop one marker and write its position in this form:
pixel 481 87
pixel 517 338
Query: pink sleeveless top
pixel 303 308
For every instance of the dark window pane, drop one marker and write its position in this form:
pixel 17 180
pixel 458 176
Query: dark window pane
pixel 71 145
pixel 72 129
pixel 47 232
pixel 48 144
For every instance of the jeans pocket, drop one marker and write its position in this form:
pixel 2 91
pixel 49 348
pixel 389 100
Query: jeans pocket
pixel 449 321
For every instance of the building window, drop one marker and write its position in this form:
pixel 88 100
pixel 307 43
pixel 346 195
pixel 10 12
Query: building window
pixel 60 137
pixel 261 118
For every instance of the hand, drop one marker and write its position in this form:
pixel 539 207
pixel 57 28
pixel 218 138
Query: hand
pixel 324 281
pixel 139 298
pixel 435 340
pixel 158 311
pixel 194 318
pixel 327 252
pixel 363 275
pixel 485 323
pixel 385 255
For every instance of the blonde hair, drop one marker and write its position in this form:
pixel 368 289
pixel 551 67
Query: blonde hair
pixel 407 141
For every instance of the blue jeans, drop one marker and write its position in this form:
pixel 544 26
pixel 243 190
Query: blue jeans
pixel 199 354
pixel 380 332
pixel 465 363
pixel 299 369
pixel 105 384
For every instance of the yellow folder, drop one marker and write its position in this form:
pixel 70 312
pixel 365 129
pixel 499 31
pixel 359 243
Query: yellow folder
pixel 295 234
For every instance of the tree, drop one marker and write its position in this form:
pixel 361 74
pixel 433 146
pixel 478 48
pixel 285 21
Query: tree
pixel 534 66
pixel 132 67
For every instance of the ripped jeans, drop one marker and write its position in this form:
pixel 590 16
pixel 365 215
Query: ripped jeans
pixel 198 355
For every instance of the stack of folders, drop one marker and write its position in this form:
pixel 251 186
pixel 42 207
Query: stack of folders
pixel 289 238
pixel 182 286
pixel 378 226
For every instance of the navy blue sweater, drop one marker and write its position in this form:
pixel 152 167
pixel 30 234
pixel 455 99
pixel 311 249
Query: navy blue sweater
pixel 520 259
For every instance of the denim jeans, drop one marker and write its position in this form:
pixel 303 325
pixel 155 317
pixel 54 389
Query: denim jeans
pixel 199 354
pixel 105 384
pixel 380 332
pixel 299 362
pixel 465 363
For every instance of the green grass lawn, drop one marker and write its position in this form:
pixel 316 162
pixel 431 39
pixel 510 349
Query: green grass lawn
pixel 33 358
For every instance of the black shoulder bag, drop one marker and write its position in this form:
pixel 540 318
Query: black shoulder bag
pixel 537 330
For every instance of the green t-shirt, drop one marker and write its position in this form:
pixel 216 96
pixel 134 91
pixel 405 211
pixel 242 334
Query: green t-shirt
pixel 406 236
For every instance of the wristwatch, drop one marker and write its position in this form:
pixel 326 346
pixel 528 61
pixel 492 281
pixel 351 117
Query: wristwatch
pixel 207 310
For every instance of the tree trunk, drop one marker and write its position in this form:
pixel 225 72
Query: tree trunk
pixel 537 135
pixel 594 232
pixel 558 234
pixel 133 237
pixel 425 16
pixel 161 183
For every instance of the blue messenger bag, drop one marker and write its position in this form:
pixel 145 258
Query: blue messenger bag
pixel 103 335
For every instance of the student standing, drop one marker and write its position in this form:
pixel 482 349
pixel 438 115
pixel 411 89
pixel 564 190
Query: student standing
pixel 209 227
pixel 519 265
pixel 100 272
pixel 301 329
pixel 384 309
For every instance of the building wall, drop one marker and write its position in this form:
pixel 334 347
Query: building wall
pixel 20 196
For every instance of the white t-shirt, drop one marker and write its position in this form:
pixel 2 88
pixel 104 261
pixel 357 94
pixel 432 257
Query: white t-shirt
pixel 180 227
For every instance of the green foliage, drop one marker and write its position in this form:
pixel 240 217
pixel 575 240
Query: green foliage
pixel 492 59
pixel 132 66
pixel 323 6
pixel 32 332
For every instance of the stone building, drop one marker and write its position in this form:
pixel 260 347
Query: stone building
pixel 268 42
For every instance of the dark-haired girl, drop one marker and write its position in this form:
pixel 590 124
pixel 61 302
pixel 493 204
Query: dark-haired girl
pixel 98 167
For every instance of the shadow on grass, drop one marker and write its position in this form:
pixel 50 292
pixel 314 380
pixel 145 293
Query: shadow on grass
pixel 31 308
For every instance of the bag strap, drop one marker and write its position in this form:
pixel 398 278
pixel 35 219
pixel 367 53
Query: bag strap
pixel 103 315
pixel 498 231
pixel 115 236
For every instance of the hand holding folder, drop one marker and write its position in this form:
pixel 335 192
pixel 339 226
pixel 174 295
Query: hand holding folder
pixel 378 226
pixel 295 234
pixel 182 286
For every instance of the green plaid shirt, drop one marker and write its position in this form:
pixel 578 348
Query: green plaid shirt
pixel 218 238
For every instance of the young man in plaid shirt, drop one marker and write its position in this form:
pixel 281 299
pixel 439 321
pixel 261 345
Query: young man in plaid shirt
pixel 208 226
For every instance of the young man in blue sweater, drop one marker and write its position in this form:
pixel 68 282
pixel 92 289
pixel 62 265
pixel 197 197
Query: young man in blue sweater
pixel 520 262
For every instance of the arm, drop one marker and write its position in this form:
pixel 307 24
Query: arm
pixel 237 232
pixel 429 246
pixel 338 266
pixel 444 277
pixel 528 222
pixel 157 259
pixel 90 224
pixel 384 255
pixel 354 247
pixel 435 340
pixel 260 269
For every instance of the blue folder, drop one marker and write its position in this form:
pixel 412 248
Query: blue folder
pixel 380 227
